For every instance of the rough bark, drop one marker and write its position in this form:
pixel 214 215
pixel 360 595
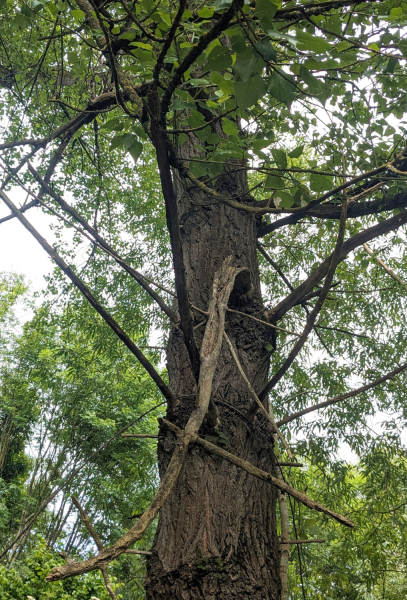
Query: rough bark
pixel 216 537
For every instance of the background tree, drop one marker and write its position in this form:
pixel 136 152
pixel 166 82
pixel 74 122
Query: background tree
pixel 247 112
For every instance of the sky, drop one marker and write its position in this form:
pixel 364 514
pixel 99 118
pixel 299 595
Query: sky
pixel 19 251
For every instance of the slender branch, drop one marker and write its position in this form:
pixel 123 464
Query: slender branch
pixel 105 100
pixel 355 392
pixel 274 265
pixel 104 245
pixel 91 299
pixel 238 312
pixel 255 397
pixel 385 267
pixel 168 41
pixel 335 259
pixel 140 435
pixel 285 535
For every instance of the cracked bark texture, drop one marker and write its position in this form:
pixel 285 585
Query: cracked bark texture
pixel 216 536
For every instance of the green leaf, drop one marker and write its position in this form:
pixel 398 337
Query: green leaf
pixel 206 13
pixel 315 86
pixel 248 93
pixel 113 125
pixel 229 127
pixel 219 59
pixel 265 11
pixel 320 183
pixel 275 182
pixel 296 153
pixel 266 50
pixel 281 88
pixel 78 15
pixel 246 64
pixel 225 85
pixel 392 63
pixel 313 43
pixel 283 199
pixel 396 13
pixel 280 157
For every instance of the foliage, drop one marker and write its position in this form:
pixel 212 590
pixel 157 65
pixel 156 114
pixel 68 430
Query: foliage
pixel 30 581
pixel 306 99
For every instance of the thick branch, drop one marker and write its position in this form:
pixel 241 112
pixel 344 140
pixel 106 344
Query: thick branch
pixel 91 299
pixel 171 211
pixel 357 240
pixel 333 211
pixel 356 392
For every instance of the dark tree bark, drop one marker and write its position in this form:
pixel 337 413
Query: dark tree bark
pixel 216 536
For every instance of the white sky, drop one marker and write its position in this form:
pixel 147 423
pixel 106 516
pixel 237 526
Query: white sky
pixel 19 251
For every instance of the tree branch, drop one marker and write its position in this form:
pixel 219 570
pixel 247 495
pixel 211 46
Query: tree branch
pixel 171 211
pixel 91 299
pixel 263 475
pixel 356 392
pixel 104 245
pixel 334 261
pixel 392 274
pixel 332 211
pixel 357 240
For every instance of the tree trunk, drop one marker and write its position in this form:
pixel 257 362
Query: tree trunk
pixel 216 536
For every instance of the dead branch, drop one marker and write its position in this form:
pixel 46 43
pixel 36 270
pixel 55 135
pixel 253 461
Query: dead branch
pixel 99 544
pixel 392 274
pixel 210 350
pixel 255 397
pixel 263 475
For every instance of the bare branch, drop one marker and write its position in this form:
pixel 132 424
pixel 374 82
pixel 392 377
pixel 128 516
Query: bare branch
pixel 255 397
pixel 392 274
pixel 263 475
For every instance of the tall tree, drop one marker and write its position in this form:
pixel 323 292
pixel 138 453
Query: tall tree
pixel 248 111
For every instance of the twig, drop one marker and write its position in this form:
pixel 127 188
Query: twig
pixel 385 267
